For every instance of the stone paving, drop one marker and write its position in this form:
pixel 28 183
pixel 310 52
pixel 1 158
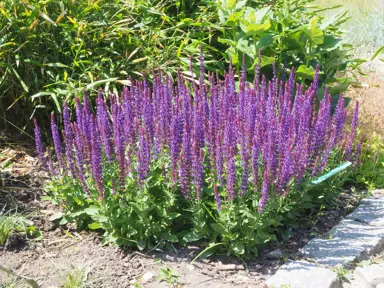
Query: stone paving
pixel 354 239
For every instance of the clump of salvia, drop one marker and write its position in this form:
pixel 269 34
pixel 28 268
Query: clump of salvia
pixel 264 138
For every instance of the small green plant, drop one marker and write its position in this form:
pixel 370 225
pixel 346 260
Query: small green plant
pixel 169 275
pixel 16 222
pixel 342 273
pixel 369 171
pixel 74 278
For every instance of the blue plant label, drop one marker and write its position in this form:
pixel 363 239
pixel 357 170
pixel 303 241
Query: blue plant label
pixel 332 172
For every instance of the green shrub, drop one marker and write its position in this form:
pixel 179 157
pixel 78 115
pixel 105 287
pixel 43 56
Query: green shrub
pixel 370 172
pixel 52 50
pixel 290 33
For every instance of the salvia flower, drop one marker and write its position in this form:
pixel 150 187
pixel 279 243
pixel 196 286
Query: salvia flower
pixel 56 141
pixel 39 144
pixel 207 133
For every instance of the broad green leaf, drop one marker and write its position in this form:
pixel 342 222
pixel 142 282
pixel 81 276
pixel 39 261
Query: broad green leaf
pixel 191 237
pixel 109 238
pixel 266 60
pixel 222 15
pixel 56 216
pixel 233 19
pixel 330 43
pixel 250 15
pixel 206 252
pixel 338 89
pixel 260 14
pixel 218 228
pixel 238 248
pixel 141 244
pixel 315 34
pixel 63 221
pixel 254 29
pixel 232 54
pixel 306 72
pixel 240 4
pixel 265 41
pixel 230 4
pixel 94 226
pixel 169 237
pixel 242 46
pixel 92 210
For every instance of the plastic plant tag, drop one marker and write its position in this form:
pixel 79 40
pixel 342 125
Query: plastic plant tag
pixel 332 172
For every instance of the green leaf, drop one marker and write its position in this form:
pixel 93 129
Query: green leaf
pixel 20 80
pixel 266 60
pixel 169 237
pixel 204 252
pixel 233 19
pixel 63 221
pixel 56 65
pixel 218 228
pixel 173 215
pixel 191 237
pixel 92 210
pixel 254 29
pixel 265 41
pixel 141 244
pixel 56 216
pixel 377 53
pixel 109 238
pixel 315 34
pixel 330 43
pixel 101 82
pixel 238 248
pixel 338 89
pixel 306 72
pixel 261 13
pixel 240 4
pixel 94 226
pixel 242 46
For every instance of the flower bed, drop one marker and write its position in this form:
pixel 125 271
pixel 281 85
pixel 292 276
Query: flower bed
pixel 198 160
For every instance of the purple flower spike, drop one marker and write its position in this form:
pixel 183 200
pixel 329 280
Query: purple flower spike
pixel 244 139
pixel 358 149
pixel 143 157
pixel 39 145
pixel 68 140
pixel 56 141
pixel 217 197
pixel 264 192
pixel 97 169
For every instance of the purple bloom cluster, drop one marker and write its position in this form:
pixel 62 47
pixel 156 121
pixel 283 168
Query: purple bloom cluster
pixel 259 139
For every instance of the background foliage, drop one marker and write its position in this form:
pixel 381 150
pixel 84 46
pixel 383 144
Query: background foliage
pixel 51 50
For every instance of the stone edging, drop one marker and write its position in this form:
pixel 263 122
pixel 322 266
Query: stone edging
pixel 356 237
